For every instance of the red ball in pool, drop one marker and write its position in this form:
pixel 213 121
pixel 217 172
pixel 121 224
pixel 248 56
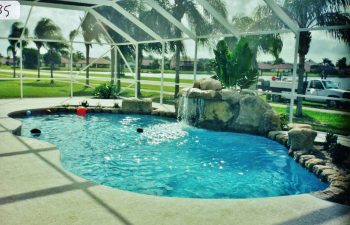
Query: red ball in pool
pixel 81 111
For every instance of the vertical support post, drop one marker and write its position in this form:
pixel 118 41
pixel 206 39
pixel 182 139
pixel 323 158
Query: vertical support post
pixel 295 67
pixel 21 68
pixel 162 74
pixel 195 63
pixel 71 70
pixel 115 64
pixel 136 68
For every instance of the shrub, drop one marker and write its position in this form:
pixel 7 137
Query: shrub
pixel 235 68
pixel 284 121
pixel 330 139
pixel 106 91
pixel 84 103
pixel 339 152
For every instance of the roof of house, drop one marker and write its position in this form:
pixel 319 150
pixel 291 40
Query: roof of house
pixel 100 61
pixel 284 66
pixel 265 66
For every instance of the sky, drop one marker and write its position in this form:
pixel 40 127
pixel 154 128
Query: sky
pixel 322 45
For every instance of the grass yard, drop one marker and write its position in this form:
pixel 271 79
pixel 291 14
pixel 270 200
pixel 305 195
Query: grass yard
pixel 327 122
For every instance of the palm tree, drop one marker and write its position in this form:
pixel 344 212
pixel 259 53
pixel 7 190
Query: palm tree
pixel 45 29
pixel 308 14
pixel 17 29
pixel 91 31
pixel 56 47
pixel 197 20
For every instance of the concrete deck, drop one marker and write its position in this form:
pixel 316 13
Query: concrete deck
pixel 35 189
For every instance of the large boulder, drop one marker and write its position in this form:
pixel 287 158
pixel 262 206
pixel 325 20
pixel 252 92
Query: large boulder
pixel 301 138
pixel 135 105
pixel 227 110
pixel 208 84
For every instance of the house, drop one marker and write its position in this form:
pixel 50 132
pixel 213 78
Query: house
pixel 308 64
pixel 186 63
pixel 285 67
pixel 265 67
pixel 99 63
pixel 8 61
pixel 147 63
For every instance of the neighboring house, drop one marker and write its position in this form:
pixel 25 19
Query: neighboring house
pixel 265 67
pixel 65 63
pixel 285 67
pixel 99 63
pixel 7 61
pixel 186 63
pixel 308 64
pixel 147 63
pixel 3 60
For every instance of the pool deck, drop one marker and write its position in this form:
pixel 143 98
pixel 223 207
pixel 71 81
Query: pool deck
pixel 35 189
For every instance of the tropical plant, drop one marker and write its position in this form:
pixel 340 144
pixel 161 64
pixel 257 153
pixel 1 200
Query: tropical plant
pixel 339 153
pixel 55 48
pixel 308 14
pixel 330 139
pixel 84 103
pixel 17 30
pixel 327 62
pixel 284 121
pixel 106 91
pixel 91 31
pixel 235 68
pixel 341 63
pixel 29 58
pixel 52 58
pixel 44 29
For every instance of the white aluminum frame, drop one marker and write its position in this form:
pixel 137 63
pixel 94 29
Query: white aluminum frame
pixel 276 9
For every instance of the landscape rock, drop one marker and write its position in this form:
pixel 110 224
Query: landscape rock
pixel 304 158
pixel 208 84
pixel 272 134
pixel 298 125
pixel 135 105
pixel 312 162
pixel 301 138
pixel 317 169
pixel 282 138
pixel 227 110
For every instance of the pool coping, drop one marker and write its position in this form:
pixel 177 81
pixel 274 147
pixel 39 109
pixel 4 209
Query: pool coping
pixel 40 201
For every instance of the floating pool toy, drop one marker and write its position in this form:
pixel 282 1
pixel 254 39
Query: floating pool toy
pixel 28 113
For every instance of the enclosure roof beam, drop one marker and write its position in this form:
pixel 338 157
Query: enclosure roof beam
pixel 98 16
pixel 170 18
pixel 282 15
pixel 54 5
pixel 136 21
pixel 81 23
pixel 218 17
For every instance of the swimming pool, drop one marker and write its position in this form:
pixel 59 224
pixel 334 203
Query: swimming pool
pixel 171 158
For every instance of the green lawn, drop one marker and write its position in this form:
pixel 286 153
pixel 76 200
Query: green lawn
pixel 327 122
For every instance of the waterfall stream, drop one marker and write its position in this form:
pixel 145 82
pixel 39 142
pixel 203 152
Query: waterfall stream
pixel 191 110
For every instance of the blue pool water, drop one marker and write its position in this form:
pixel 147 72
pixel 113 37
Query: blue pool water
pixel 170 158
